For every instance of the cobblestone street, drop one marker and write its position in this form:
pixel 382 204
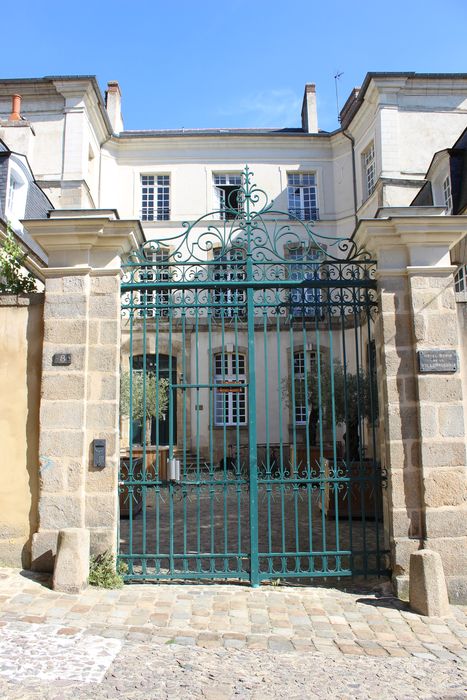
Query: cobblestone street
pixel 219 641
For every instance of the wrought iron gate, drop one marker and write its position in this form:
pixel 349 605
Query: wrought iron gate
pixel 249 401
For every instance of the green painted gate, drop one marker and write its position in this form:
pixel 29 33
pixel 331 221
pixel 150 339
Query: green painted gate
pixel 249 407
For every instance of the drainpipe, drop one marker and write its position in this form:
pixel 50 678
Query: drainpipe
pixel 354 174
pixel 100 170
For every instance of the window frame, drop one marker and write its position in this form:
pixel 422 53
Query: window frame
pixel 155 197
pixel 308 209
pixel 220 194
pixel 369 169
pixel 230 405
pixel 16 193
pixel 151 273
pixel 447 193
pixel 303 296
pixel 225 297
pixel 300 376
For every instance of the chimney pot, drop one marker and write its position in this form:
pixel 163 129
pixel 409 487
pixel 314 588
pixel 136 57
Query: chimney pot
pixel 15 108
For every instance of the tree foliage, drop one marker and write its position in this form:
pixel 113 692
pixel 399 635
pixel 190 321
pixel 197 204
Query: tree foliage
pixel 149 396
pixel 343 395
pixel 14 279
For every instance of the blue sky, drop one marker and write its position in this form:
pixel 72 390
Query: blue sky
pixel 231 64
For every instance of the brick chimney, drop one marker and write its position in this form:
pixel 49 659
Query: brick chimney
pixel 309 111
pixel 113 104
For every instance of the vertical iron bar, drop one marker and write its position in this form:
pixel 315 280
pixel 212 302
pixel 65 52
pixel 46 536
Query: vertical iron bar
pixel 253 450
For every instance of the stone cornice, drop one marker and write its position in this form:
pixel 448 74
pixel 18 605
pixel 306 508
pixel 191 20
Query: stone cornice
pixel 411 242
pixel 85 243
pixel 374 234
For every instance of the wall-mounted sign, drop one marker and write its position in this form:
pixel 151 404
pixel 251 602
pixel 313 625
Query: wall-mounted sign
pixel 234 389
pixel 61 358
pixel 437 361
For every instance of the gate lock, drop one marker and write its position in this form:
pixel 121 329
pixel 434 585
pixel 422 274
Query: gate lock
pixel 173 470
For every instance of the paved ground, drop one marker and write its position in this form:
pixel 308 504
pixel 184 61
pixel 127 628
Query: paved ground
pixel 223 641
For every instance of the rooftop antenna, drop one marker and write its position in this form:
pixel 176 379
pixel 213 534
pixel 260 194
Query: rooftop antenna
pixel 336 79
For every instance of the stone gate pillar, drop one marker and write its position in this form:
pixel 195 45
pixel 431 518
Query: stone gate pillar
pixel 80 377
pixel 422 409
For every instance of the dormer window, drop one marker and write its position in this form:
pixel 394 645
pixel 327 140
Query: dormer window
pixel 17 194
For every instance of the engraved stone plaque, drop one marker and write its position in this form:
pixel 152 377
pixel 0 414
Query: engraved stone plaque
pixel 437 361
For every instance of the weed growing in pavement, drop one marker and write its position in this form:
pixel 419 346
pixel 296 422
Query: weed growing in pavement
pixel 103 571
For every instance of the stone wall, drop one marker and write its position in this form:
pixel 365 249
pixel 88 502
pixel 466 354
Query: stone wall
pixel 21 332
pixel 79 404
pixel 423 413
pixel 80 397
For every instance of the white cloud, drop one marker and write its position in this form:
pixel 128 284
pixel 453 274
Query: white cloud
pixel 267 108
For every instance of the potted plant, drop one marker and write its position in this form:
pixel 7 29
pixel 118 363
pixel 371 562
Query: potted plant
pixel 340 398
pixel 142 398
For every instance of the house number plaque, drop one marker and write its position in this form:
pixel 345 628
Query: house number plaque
pixel 437 361
pixel 61 358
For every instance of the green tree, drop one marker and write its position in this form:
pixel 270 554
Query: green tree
pixel 343 396
pixel 14 279
pixel 149 396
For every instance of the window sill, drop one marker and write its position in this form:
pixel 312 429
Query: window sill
pixel 221 428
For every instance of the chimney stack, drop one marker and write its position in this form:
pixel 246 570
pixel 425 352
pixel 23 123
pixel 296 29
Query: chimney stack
pixel 309 111
pixel 15 108
pixel 113 104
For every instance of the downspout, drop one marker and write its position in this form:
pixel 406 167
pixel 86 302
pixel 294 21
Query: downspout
pixel 354 175
pixel 100 170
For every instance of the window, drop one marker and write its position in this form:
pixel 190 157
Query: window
pixel 447 194
pixel 230 301
pixel 155 202
pixel 460 280
pixel 305 266
pixel 228 195
pixel 13 190
pixel 369 170
pixel 17 192
pixel 156 301
pixel 230 398
pixel 300 370
pixel 302 196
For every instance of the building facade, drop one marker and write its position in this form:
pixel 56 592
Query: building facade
pixel 325 188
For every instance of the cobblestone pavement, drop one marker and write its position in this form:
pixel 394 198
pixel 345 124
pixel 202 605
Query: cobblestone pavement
pixel 223 641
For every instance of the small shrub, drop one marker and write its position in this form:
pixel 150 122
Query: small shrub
pixel 104 573
pixel 14 278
